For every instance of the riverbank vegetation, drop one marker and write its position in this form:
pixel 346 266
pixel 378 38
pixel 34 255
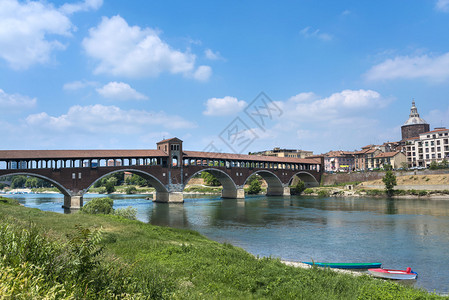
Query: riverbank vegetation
pixel 49 255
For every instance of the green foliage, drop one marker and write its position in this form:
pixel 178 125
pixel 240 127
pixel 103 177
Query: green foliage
pixel 98 206
pixel 131 189
pixel 390 182
pixel 202 189
pixel 298 188
pixel 136 180
pixel 110 185
pixel 9 201
pixel 18 181
pixel 404 166
pixel 127 213
pixel 308 191
pixel 323 193
pixel 2 186
pixel 254 186
pixel 210 179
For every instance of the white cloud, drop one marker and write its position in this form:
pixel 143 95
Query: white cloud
pixel 308 32
pixel 223 106
pixel 98 119
pixel 13 102
pixel 70 8
pixel 120 91
pixel 131 51
pixel 203 73
pixel 442 5
pixel 28 32
pixel 308 106
pixel 212 55
pixel 78 85
pixel 433 68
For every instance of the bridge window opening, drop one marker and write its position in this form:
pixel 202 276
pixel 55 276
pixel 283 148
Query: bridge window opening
pixel 3 165
pixel 174 161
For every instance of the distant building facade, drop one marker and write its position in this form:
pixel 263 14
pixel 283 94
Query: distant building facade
pixel 429 146
pixel 285 153
pixel 339 161
pixel 395 159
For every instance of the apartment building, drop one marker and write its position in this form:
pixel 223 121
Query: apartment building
pixel 428 147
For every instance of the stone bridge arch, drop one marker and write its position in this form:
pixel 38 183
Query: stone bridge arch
pixel 162 192
pixel 230 189
pixel 59 186
pixel 275 186
pixel 308 179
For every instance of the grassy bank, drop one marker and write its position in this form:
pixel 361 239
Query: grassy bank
pixel 58 257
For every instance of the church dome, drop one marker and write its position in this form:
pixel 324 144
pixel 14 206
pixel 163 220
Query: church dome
pixel 414 118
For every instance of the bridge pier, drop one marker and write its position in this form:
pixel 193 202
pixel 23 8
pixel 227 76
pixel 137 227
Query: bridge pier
pixel 238 193
pixel 169 197
pixel 278 191
pixel 73 202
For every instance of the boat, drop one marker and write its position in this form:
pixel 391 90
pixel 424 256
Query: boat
pixel 393 274
pixel 344 265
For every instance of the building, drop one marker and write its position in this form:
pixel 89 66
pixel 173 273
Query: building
pixel 285 153
pixel 429 146
pixel 414 126
pixel 395 159
pixel 339 161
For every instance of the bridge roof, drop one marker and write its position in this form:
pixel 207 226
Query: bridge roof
pixel 77 154
pixel 244 157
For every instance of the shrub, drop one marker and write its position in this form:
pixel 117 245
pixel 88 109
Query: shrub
pixel 128 213
pixel 298 188
pixel 323 193
pixel 98 206
pixel 131 190
pixel 308 191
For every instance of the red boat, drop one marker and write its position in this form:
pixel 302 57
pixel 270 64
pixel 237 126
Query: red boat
pixel 393 274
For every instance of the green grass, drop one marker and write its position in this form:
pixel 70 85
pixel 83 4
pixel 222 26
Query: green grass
pixel 160 262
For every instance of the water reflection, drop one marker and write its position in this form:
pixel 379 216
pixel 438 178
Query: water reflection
pixel 172 215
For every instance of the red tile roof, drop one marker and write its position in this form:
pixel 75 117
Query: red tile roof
pixel 244 157
pixel 78 154
pixel 387 154
pixel 167 140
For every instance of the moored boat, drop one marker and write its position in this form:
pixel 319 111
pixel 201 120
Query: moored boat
pixel 393 274
pixel 344 265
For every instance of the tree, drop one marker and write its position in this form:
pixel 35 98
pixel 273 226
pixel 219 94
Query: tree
pixel 298 188
pixel 390 182
pixel 18 181
pixel 210 179
pixel 131 190
pixel 254 187
pixel 433 165
pixel 110 185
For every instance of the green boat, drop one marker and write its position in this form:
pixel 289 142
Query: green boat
pixel 344 265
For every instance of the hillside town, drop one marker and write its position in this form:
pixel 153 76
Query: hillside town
pixel 418 148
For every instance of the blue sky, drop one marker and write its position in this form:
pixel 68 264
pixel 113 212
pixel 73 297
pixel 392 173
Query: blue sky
pixel 126 74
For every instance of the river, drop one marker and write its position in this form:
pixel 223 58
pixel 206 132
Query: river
pixel 398 233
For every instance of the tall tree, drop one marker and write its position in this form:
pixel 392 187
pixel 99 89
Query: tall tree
pixel 389 180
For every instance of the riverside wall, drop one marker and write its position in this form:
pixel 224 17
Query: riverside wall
pixel 337 178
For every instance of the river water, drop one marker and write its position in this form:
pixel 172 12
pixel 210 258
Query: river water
pixel 398 233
